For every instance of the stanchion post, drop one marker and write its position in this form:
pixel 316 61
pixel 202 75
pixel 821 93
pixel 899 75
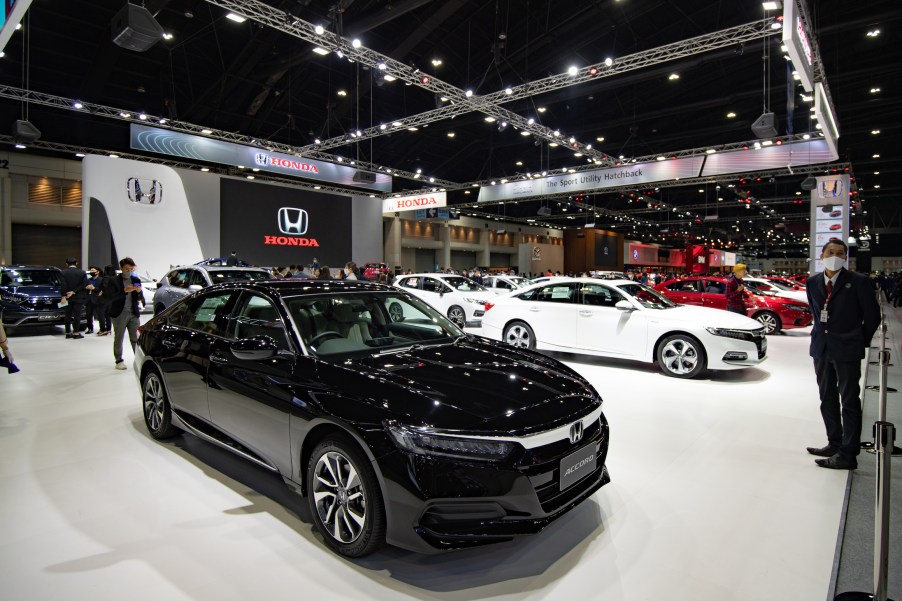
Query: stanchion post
pixel 885 437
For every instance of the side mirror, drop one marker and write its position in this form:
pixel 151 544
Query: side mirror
pixel 257 348
pixel 625 305
pixel 195 287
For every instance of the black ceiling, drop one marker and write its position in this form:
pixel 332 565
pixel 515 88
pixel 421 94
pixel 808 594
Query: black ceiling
pixel 253 79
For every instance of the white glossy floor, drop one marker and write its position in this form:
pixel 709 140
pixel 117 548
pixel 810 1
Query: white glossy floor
pixel 713 498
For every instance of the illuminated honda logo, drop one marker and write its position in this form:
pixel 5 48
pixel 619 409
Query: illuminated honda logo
pixel 144 191
pixel 576 432
pixel 292 221
pixel 260 158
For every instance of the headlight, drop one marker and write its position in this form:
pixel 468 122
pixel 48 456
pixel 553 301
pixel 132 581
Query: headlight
pixel 425 443
pixel 474 301
pixel 798 307
pixel 728 333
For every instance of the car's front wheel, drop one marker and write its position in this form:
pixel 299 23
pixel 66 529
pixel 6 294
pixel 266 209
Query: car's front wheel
pixel 157 410
pixel 520 335
pixel 770 321
pixel 457 315
pixel 681 356
pixel 344 497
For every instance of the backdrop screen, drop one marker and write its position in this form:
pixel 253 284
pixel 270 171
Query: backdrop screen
pixel 275 225
pixel 606 251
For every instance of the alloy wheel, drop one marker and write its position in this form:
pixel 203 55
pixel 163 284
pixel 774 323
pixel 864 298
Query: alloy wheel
pixel 154 402
pixel 769 321
pixel 679 356
pixel 518 335
pixel 457 315
pixel 339 497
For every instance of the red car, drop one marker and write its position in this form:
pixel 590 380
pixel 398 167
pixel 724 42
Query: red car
pixel 791 284
pixel 371 271
pixel 773 312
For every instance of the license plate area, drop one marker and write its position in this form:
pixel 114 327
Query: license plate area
pixel 577 465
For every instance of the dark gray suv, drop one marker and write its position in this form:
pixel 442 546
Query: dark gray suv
pixel 30 296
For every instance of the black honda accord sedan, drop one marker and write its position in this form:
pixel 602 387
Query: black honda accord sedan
pixel 395 425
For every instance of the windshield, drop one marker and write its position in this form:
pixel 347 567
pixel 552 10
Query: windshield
pixel 779 285
pixel 338 324
pixel 649 298
pixel 32 277
pixel 237 275
pixel 518 281
pixel 462 284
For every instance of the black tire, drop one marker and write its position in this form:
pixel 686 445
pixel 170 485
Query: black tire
pixel 681 356
pixel 157 410
pixel 335 459
pixel 771 322
pixel 457 315
pixel 520 335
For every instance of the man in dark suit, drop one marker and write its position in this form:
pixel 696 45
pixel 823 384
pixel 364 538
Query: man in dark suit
pixel 74 286
pixel 124 297
pixel 846 315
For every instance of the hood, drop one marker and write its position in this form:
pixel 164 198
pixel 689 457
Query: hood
pixel 478 294
pixel 36 290
pixel 471 385
pixel 717 318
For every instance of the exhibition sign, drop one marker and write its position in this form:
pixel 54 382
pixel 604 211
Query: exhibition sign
pixel 829 215
pixel 190 146
pixel 797 40
pixel 431 200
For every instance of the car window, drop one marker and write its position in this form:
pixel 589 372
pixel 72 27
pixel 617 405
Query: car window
pixel 502 284
pixel 208 313
pixel 433 285
pixel 554 293
pixel 257 316
pixel 599 296
pixel 196 278
pixel 33 277
pixel 220 276
pixel 179 278
pixel 462 284
pixel 685 286
pixel 410 282
pixel 648 297
pixel 715 287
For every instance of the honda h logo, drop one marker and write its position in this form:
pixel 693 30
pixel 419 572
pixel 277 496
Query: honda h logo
pixel 576 432
pixel 260 158
pixel 292 221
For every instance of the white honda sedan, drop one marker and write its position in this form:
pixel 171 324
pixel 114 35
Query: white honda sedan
pixel 627 320
pixel 502 284
pixel 460 298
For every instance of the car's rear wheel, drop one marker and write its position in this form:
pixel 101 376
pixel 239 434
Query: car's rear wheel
pixel 344 497
pixel 770 321
pixel 520 335
pixel 681 356
pixel 457 315
pixel 157 410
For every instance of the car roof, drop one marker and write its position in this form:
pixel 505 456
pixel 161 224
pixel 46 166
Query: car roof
pixel 17 267
pixel 305 287
pixel 218 268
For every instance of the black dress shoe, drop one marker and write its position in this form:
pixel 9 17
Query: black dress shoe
pixel 77 336
pixel 827 451
pixel 838 462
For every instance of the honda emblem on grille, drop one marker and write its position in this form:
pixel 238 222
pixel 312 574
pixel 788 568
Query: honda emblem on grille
pixel 576 432
pixel 292 221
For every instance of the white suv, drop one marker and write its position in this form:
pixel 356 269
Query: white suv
pixel 460 298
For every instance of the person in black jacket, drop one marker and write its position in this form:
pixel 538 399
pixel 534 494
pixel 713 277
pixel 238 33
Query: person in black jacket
pixel 846 315
pixel 232 261
pixel 124 311
pixel 75 288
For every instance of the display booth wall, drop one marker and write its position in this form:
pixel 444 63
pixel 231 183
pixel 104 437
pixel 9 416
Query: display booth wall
pixel 540 258
pixel 161 217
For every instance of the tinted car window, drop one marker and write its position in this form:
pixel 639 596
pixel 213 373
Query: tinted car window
pixel 556 293
pixel 503 284
pixel 179 278
pixel 197 279
pixel 462 284
pixel 220 276
pixel 257 316
pixel 599 296
pixel 648 297
pixel 433 285
pixel 208 313
pixel 410 282
pixel 715 287
pixel 688 286
pixel 33 277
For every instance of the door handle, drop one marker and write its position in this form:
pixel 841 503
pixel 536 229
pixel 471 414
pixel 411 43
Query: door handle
pixel 218 359
pixel 535 309
pixel 586 313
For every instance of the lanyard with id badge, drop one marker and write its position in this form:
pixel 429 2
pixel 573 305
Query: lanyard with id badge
pixel 824 314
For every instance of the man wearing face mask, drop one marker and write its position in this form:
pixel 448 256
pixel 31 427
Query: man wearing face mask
pixel 846 315
pixel 124 311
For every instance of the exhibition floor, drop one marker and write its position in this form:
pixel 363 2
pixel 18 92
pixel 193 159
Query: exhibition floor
pixel 712 497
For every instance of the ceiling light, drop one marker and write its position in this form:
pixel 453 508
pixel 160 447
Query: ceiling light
pixel 541 109
pixel 77 105
pixel 524 133
pixel 382 66
pixel 21 146
pixel 168 36
pixel 413 129
pixel 206 131
pixel 572 140
pixel 436 62
pixel 396 124
pixel 875 131
pixel 673 76
pixel 205 169
pixel 490 119
pixel 342 93
pixel 320 50
pixel 876 173
pixel 468 93
pixel 2 54
pixel 766 143
pixel 659 158
pixel 356 43
pixel 114 156
pixel 519 163
pixel 553 145
pixel 873 33
pixel 389 77
pixel 710 151
pixel 508 91
pixel 236 18
pixel 875 90
pixel 250 177
pixel 317 187
pixel 730 115
pixel 771 5
pixel 80 154
pixel 876 186
pixel 450 134
pixel 319 30
pixel 431 180
pixel 557 133
pixel 142 117
pixel 530 121
pixel 608 62
pixel 125 115
pixel 875 156
pixel 776 25
pixel 806 136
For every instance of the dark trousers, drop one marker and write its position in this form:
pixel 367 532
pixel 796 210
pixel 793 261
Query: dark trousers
pixel 102 312
pixel 72 318
pixel 837 382
pixel 91 312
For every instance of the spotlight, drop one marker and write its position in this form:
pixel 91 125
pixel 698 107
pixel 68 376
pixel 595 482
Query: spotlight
pixel 425 80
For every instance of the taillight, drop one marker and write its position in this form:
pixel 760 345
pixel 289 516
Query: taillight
pixel 488 306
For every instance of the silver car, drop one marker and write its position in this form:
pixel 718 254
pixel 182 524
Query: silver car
pixel 185 280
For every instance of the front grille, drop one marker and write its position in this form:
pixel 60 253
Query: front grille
pixel 542 465
pixel 42 304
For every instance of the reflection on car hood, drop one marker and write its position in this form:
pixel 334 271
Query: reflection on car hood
pixel 473 385
pixel 708 317
pixel 36 290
